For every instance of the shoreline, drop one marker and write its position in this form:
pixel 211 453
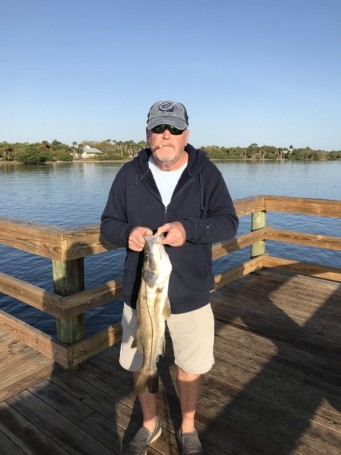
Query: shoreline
pixel 19 163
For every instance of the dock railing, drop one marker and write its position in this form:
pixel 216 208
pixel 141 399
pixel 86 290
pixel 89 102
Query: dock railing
pixel 67 248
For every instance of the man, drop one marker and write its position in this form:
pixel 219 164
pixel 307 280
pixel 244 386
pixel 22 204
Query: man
pixel 171 188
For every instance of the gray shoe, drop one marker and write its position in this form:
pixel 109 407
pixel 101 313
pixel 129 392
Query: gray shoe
pixel 190 443
pixel 140 442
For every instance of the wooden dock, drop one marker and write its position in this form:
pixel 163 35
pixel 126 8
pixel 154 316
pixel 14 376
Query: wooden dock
pixel 275 387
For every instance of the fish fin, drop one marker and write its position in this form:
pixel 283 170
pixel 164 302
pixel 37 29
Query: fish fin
pixel 166 312
pixel 136 343
pixel 150 278
pixel 163 346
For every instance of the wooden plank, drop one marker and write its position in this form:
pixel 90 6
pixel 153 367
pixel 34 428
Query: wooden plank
pixel 263 315
pixel 215 442
pixel 305 268
pixel 56 305
pixel 7 445
pixel 61 430
pixel 304 370
pixel 21 366
pixel 88 347
pixel 93 420
pixel 238 243
pixel 36 238
pixel 238 271
pixel 258 398
pixel 249 205
pixel 274 324
pixel 278 275
pixel 304 206
pixel 308 375
pixel 85 300
pixel 257 402
pixel 299 238
pixel 36 375
pixel 32 295
pixel 84 241
pixel 35 338
pixel 27 437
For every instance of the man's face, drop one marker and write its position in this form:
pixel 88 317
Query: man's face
pixel 168 149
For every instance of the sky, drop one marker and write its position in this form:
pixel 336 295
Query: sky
pixel 248 71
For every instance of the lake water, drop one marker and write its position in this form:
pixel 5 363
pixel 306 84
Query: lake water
pixel 69 195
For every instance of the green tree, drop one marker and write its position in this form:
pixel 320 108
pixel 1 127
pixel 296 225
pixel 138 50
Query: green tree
pixel 30 154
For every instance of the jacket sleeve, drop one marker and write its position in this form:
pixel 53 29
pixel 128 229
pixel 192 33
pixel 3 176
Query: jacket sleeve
pixel 114 225
pixel 219 220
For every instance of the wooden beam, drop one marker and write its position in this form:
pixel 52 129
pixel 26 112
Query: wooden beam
pixel 303 206
pixel 83 301
pixel 42 240
pixel 238 243
pixel 68 278
pixel 238 271
pixel 304 268
pixel 32 295
pixel 84 241
pixel 90 346
pixel 69 244
pixel 35 339
pixel 249 205
pixel 299 238
pixel 258 221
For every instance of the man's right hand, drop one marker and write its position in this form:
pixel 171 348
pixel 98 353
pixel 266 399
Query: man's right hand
pixel 136 238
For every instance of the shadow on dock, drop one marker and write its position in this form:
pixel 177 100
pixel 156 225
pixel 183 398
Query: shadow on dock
pixel 275 387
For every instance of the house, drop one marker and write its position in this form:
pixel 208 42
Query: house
pixel 90 152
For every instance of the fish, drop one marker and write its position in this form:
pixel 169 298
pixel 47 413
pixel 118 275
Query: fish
pixel 153 308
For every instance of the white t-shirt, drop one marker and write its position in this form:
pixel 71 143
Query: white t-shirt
pixel 165 180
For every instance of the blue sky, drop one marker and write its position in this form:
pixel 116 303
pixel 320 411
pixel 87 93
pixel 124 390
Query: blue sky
pixel 248 71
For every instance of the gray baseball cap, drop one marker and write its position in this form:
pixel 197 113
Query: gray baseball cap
pixel 168 112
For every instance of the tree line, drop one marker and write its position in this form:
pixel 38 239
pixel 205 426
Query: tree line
pixel 41 152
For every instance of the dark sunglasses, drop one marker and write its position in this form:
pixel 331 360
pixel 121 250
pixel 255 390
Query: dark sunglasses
pixel 159 129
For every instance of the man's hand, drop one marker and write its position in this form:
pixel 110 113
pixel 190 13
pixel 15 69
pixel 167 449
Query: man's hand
pixel 175 234
pixel 136 238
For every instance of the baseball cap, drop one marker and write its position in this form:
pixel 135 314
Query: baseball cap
pixel 168 112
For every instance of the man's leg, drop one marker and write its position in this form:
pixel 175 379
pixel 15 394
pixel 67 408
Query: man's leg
pixel 192 335
pixel 189 388
pixel 131 360
pixel 148 405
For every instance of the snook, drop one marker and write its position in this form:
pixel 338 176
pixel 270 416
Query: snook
pixel 152 310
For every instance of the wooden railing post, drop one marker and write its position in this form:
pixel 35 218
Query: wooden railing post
pixel 68 278
pixel 258 221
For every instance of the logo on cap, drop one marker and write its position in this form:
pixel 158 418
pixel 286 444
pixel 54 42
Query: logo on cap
pixel 167 107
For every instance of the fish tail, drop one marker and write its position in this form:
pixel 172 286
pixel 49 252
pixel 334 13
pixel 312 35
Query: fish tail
pixel 153 383
pixel 144 380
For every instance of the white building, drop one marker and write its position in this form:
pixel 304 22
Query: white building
pixel 89 152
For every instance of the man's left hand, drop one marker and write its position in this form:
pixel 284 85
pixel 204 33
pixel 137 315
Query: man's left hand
pixel 175 234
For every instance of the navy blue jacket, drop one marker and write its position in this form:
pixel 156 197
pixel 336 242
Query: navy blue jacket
pixel 201 202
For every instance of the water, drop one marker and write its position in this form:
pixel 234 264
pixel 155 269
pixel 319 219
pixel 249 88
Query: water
pixel 69 195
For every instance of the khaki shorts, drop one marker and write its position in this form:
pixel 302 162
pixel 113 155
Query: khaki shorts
pixel 192 335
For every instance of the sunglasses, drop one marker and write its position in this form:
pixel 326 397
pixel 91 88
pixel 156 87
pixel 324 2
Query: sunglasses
pixel 159 129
